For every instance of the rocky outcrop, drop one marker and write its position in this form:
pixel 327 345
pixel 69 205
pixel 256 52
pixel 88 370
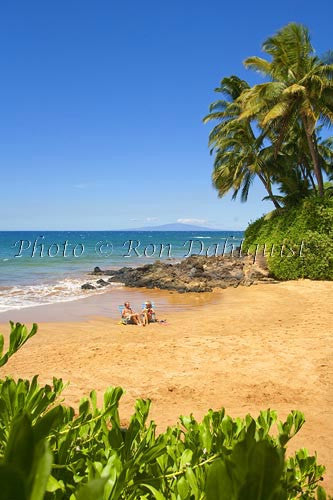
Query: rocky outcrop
pixel 194 274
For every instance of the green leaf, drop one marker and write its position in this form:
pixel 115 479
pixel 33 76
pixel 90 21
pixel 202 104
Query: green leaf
pixel 1 345
pixel 153 452
pixel 11 484
pixel 219 484
pixel 17 338
pixel 93 490
pixel 48 422
pixel 265 469
pixel 192 481
pixel 321 494
pixel 186 458
pixel 155 492
pixel 41 471
pixel 20 448
pixel 183 488
pixel 53 485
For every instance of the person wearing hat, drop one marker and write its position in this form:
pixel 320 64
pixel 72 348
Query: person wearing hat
pixel 148 313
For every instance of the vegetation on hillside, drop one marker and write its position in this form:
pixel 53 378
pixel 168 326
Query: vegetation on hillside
pixel 298 242
pixel 49 452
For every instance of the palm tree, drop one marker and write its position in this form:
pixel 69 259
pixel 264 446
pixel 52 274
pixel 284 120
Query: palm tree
pixel 239 154
pixel 239 158
pixel 300 89
pixel 295 147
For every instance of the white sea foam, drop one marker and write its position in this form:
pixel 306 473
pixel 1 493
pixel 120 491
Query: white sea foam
pixel 203 237
pixel 65 290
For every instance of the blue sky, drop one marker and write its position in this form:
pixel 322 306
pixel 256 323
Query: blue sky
pixel 102 102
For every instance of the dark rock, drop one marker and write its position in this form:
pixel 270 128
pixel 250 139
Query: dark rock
pixel 102 282
pixel 88 286
pixel 97 270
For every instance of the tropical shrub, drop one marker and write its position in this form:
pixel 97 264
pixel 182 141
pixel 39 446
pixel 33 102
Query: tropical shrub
pixel 299 240
pixel 49 452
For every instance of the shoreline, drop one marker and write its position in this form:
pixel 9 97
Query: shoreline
pixel 253 348
pixel 33 282
pixel 105 303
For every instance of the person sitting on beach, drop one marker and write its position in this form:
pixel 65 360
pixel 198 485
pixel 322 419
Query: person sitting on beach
pixel 148 314
pixel 130 316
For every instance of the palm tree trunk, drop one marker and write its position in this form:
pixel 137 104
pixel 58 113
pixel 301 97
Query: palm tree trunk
pixel 307 174
pixel 315 157
pixel 312 182
pixel 269 190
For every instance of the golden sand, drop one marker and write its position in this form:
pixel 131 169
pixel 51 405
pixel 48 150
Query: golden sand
pixel 247 349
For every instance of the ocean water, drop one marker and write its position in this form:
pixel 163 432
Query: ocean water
pixel 44 267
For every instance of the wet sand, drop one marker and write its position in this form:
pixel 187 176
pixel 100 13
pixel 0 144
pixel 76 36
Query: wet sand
pixel 106 305
pixel 247 349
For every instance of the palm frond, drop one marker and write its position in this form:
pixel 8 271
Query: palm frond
pixel 258 64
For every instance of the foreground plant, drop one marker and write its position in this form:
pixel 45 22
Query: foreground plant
pixel 19 335
pixel 49 452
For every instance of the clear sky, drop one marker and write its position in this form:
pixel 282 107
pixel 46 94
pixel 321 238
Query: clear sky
pixel 102 102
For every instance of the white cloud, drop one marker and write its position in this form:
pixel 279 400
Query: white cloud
pixel 151 219
pixel 192 221
pixel 81 185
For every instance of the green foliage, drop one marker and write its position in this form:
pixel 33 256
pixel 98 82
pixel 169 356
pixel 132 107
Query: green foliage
pixel 26 463
pixel 252 471
pixel 299 240
pixel 25 395
pixel 93 457
pixel 18 337
pixel 48 452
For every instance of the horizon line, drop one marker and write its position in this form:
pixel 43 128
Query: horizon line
pixel 128 229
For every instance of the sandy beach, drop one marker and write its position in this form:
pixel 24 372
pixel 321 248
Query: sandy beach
pixel 247 349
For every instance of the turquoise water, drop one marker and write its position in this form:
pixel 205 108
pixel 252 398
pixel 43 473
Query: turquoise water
pixel 38 267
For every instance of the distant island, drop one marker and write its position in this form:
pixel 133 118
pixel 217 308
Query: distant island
pixel 176 226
